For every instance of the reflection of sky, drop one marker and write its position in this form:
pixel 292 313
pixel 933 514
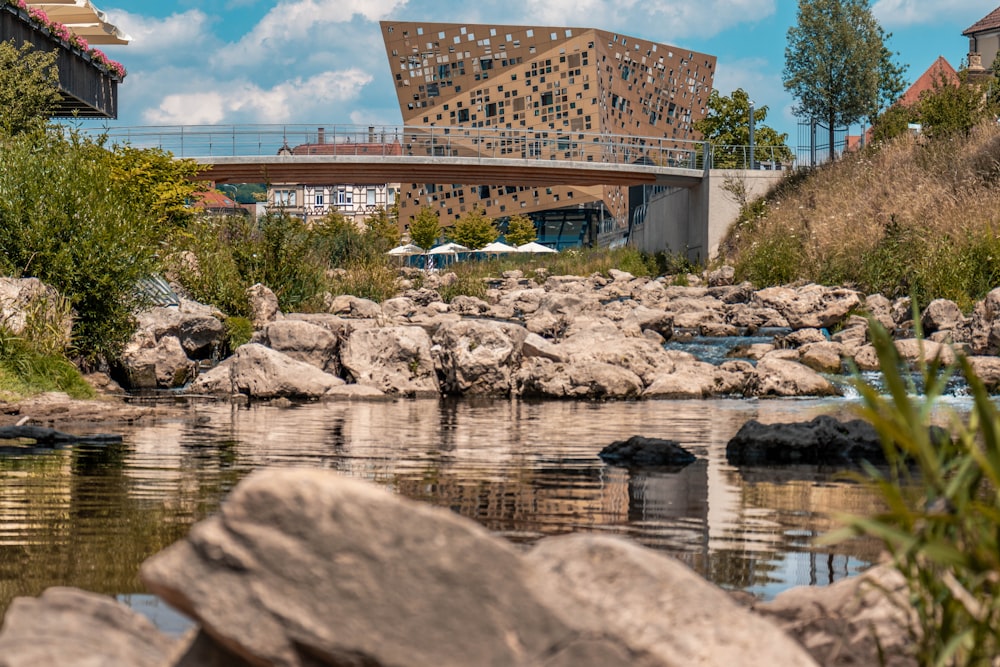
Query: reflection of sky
pixel 163 616
pixel 801 568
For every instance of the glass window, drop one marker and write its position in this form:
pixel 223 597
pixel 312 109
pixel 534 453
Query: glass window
pixel 370 199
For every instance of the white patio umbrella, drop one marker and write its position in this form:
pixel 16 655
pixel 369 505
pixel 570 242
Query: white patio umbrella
pixel 534 246
pixel 448 249
pixel 406 250
pixel 497 247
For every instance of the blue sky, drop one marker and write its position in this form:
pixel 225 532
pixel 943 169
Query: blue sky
pixel 321 62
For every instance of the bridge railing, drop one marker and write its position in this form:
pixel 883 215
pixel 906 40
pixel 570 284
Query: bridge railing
pixel 208 141
pixel 724 156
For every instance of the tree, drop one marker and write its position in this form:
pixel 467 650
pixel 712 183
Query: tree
pixel 520 230
pixel 474 230
pixel 727 128
pixel 837 64
pixel 425 228
pixel 29 87
pixel 381 228
pixel 948 109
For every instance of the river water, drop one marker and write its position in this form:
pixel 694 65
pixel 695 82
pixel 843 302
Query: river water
pixel 88 516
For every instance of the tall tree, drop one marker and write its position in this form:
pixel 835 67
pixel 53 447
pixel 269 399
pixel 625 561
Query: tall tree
pixel 727 127
pixel 520 230
pixel 474 230
pixel 837 64
pixel 425 228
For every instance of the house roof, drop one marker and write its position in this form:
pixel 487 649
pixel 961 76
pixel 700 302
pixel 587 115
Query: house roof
pixel 349 148
pixel 940 70
pixel 213 199
pixel 988 23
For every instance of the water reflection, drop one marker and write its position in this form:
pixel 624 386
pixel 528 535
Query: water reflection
pixel 89 517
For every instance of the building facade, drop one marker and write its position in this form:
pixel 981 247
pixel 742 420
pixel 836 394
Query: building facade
pixel 984 42
pixel 567 83
pixel 355 202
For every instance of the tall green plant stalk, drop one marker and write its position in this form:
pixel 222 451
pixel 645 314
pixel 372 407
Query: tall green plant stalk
pixel 942 522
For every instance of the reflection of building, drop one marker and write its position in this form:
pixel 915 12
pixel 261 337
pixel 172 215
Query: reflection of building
pixel 568 84
pixel 354 202
pixel 88 80
pixel 984 42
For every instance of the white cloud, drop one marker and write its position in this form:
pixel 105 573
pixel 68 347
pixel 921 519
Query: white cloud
pixel 300 25
pixel 295 100
pixel 667 17
pixel 893 13
pixel 167 39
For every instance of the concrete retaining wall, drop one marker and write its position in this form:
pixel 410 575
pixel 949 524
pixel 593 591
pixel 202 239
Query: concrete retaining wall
pixel 692 221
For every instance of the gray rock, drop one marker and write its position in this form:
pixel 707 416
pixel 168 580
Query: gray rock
pixel 303 341
pixel 941 315
pixel 260 372
pixel 353 307
pixel 775 376
pixel 692 379
pixel 305 567
pixel 66 627
pixel 155 364
pixel 198 327
pixel 544 378
pixel 814 306
pixel 26 300
pixel 478 357
pixel 639 451
pixel 264 307
pixel 396 360
pixel 658 605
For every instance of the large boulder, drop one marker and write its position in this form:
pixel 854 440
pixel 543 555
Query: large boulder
pixel 198 327
pixel 779 376
pixel 941 315
pixel 658 605
pixel 478 356
pixel 397 360
pixel 258 371
pixel 66 627
pixel 543 378
pixel 863 620
pixel 303 341
pixel 306 567
pixel 692 379
pixel 264 307
pixel 825 439
pixel 810 305
pixel 147 363
pixel 351 306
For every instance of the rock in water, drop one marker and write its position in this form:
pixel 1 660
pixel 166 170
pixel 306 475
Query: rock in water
pixel 640 451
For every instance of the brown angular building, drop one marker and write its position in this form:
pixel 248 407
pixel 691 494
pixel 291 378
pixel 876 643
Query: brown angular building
pixel 567 84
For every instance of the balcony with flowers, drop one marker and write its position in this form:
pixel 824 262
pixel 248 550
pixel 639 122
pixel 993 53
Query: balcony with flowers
pixel 88 78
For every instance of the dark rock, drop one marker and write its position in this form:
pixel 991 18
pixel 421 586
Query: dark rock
pixel 825 439
pixel 640 451
pixel 52 437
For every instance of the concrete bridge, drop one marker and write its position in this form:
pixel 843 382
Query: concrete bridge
pixel 386 154
pixel 688 210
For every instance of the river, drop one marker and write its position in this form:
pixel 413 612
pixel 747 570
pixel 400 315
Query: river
pixel 87 517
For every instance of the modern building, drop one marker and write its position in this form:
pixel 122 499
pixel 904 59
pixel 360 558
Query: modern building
pixel 354 202
pixel 570 84
pixel 984 42
pixel 88 80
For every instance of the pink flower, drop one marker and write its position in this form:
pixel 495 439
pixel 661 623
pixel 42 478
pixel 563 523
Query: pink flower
pixel 38 15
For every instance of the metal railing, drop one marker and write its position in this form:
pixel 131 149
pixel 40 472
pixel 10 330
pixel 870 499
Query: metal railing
pixel 726 156
pixel 207 141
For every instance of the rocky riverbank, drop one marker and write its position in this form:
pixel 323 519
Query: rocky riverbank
pixel 590 337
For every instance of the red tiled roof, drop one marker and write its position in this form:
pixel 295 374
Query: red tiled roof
pixel 349 149
pixel 989 22
pixel 940 70
pixel 213 199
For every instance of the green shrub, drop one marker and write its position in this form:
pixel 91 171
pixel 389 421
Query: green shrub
pixel 24 370
pixel 772 259
pixel 942 525
pixel 239 331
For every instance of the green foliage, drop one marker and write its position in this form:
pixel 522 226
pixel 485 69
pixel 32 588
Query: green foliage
pixel 163 185
pixel 25 370
pixel 520 230
pixel 239 331
pixel 774 258
pixel 67 219
pixel 382 228
pixel 244 193
pixel 474 230
pixel 425 229
pixel 727 128
pixel 948 109
pixel 837 65
pixel 893 122
pixel 942 525
pixel 29 87
pixel 368 277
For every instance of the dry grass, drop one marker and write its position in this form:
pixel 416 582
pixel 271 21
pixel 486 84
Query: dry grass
pixel 912 215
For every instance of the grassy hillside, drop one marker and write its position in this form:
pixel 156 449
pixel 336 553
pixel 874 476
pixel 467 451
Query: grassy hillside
pixel 909 217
